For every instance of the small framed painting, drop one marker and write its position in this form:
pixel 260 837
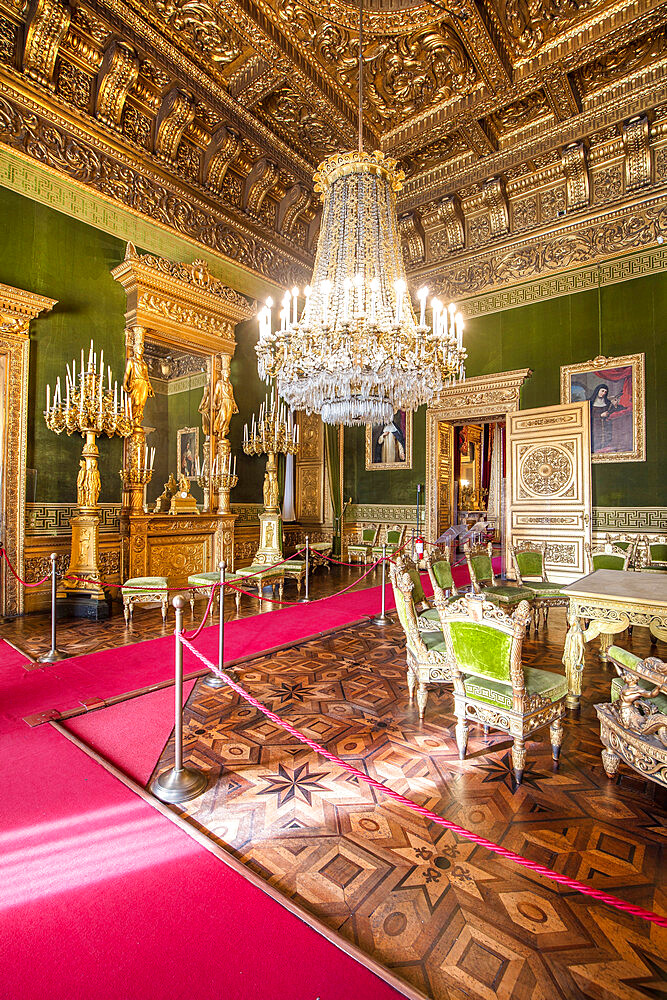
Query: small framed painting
pixel 389 445
pixel 615 390
pixel 187 450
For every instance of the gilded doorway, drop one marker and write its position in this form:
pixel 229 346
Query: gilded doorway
pixel 482 399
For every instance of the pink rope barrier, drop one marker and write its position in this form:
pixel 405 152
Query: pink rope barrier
pixel 460 831
pixel 193 635
pixel 23 583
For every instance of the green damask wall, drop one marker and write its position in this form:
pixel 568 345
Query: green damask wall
pixel 48 253
pixel 249 392
pixel 543 337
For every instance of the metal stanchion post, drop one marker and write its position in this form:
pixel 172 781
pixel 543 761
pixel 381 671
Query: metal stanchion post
pixel 382 618
pixel 54 654
pixel 306 597
pixel 179 783
pixel 212 680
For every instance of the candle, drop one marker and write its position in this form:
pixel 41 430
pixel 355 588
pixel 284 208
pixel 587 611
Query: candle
pixel 115 398
pixel 400 292
pixel 458 319
pixel 73 373
pixel 306 313
pixel 421 295
pixel 48 390
pixel 234 464
pixel 153 457
pixel 82 360
pixel 109 374
pixel 56 395
pixel 81 395
pixel 295 302
pixel 90 355
pixel 69 377
pixel 101 365
pixel 67 405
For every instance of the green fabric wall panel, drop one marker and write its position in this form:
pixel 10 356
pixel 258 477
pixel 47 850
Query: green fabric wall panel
pixel 249 392
pixel 46 252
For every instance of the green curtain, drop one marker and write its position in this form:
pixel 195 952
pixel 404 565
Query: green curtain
pixel 332 453
pixel 280 470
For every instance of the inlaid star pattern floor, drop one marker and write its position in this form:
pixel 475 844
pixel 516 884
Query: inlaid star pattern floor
pixel 449 918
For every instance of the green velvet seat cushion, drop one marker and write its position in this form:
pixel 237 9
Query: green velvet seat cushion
pixel 201 579
pixel 434 642
pixel 654 569
pixel 137 583
pixel 357 546
pixel 248 572
pixel 607 560
pixel 543 589
pixel 442 571
pixel 293 565
pixel 507 595
pixel 659 700
pixel 529 563
pixel 624 657
pixel 543 682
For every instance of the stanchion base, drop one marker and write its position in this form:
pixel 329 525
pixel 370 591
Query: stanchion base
pixel 213 681
pixel 382 620
pixel 53 656
pixel 178 786
pixel 304 600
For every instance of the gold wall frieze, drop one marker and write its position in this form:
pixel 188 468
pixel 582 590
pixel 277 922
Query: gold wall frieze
pixel 601 238
pixel 88 159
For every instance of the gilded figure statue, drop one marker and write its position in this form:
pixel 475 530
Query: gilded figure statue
pixel 205 410
pixel 136 381
pixel 224 406
pixel 271 493
pixel 87 485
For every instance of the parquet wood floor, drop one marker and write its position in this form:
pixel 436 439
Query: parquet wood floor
pixel 31 634
pixel 450 919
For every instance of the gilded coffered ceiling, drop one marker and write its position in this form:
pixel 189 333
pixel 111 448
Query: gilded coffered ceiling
pixel 510 118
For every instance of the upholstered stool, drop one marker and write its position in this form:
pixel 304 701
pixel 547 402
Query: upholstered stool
pixel 144 590
pixel 295 569
pixel 259 576
pixel 203 582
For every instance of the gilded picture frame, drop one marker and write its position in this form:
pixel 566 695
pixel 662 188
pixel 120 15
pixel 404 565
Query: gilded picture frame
pixel 616 389
pixel 394 449
pixel 187 449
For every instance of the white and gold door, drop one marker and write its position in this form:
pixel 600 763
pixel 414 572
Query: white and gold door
pixel 549 484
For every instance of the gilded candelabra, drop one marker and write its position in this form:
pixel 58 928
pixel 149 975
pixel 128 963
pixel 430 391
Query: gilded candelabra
pixel 220 480
pixel 272 433
pixel 91 410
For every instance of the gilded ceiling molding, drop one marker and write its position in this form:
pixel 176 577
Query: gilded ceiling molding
pixel 494 198
pixel 637 153
pixel 575 168
pixel 118 74
pixel 261 179
pixel 183 301
pixel 46 26
pixel 561 95
pixel 177 111
pixel 292 207
pixel 17 309
pixel 411 233
pixel 223 150
pixel 449 213
pixel 88 159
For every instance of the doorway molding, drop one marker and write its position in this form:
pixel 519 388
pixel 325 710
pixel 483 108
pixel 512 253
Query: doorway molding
pixel 17 309
pixel 484 398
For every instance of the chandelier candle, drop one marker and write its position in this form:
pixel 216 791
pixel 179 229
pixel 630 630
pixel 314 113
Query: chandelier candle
pixel 357 354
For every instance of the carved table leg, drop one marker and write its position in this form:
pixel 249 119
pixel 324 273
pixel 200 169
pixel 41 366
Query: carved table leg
pixel 606 641
pixel 462 731
pixel 412 682
pixel 573 658
pixel 518 758
pixel 422 698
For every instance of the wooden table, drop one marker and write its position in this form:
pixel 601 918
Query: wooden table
pixel 611 601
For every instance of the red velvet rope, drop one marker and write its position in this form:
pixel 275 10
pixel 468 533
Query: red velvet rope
pixel 460 831
pixel 193 635
pixel 23 583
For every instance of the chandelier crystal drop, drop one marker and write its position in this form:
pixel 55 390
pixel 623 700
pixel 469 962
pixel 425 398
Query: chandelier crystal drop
pixel 357 352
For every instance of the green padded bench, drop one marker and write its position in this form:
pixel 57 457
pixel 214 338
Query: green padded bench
pixel 144 590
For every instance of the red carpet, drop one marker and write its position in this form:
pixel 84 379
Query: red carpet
pixel 101 896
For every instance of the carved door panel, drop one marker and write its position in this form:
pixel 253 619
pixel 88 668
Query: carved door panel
pixel 549 484
pixel 445 487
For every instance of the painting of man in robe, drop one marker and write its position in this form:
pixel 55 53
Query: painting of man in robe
pixel 389 444
pixel 616 406
pixel 187 449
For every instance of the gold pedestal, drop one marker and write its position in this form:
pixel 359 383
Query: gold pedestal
pixel 270 539
pixel 83 597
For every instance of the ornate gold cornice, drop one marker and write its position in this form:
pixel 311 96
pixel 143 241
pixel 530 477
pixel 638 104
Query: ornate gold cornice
pixel 181 301
pixel 18 307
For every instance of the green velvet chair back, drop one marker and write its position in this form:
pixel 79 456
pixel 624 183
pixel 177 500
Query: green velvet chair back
pixel 440 573
pixel 368 535
pixel 393 536
pixel 529 561
pixel 606 560
pixel 657 552
pixel 484 641
pixel 480 565
pixel 609 557
pixel 405 565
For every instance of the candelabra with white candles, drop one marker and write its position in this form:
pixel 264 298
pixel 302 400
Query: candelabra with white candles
pixel 91 408
pixel 221 478
pixel 272 432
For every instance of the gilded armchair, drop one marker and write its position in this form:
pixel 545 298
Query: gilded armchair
pixel 655 548
pixel 427 658
pixel 626 543
pixel 607 555
pixel 393 538
pixel 528 559
pixel 492 687
pixel 439 569
pixel 633 726
pixel 483 579
pixel 362 550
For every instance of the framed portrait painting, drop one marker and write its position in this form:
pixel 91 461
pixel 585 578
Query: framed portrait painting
pixel 389 445
pixel 614 388
pixel 187 449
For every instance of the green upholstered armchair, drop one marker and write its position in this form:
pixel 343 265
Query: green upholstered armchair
pixel 656 553
pixel 483 579
pixel 608 556
pixel 528 559
pixel 427 658
pixel 428 619
pixel 491 685
pixel 362 550
pixel 633 726
pixel 626 543
pixel 393 537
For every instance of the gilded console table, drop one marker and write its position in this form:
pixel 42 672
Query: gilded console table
pixel 175 545
pixel 610 601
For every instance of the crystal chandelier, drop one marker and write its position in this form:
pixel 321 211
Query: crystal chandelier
pixel 357 353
